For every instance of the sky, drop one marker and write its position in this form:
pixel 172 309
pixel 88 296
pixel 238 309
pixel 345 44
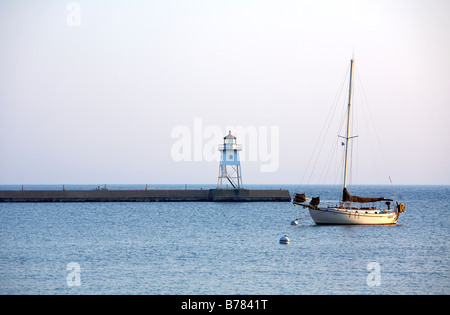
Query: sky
pixel 143 92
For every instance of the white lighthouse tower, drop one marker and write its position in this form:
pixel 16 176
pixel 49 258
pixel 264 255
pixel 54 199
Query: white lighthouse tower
pixel 230 166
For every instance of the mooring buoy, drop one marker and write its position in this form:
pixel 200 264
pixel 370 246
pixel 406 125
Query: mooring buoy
pixel 284 240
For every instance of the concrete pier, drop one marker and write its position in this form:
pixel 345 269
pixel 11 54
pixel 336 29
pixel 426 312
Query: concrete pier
pixel 219 195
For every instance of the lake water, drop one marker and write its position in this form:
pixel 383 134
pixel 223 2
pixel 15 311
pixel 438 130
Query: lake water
pixel 221 248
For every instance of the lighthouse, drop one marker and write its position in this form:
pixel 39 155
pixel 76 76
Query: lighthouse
pixel 230 167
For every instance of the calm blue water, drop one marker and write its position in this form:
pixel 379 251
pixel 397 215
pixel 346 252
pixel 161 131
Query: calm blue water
pixel 220 248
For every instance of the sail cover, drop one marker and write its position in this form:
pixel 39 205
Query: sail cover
pixel 347 197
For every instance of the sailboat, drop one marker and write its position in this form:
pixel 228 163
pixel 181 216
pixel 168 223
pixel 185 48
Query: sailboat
pixel 351 209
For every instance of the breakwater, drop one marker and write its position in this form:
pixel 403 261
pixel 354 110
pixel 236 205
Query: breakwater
pixel 219 195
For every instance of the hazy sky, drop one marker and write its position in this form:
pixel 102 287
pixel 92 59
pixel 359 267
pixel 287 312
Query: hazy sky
pixel 95 91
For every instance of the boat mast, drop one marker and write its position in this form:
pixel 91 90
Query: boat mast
pixel 348 123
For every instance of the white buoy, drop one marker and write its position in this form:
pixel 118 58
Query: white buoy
pixel 284 240
pixel 294 222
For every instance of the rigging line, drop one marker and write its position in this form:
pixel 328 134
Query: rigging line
pixel 342 121
pixel 306 216
pixel 393 189
pixel 328 162
pixel 356 167
pixel 351 169
pixel 332 110
pixel 367 124
pixel 339 169
pixel 374 126
pixel 329 117
pixel 355 144
pixel 351 142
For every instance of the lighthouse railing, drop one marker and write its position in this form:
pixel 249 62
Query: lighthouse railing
pixel 223 147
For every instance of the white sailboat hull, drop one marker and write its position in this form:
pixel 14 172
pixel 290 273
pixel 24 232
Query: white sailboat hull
pixel 353 216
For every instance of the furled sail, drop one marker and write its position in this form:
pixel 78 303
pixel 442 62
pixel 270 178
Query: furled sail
pixel 299 198
pixel 315 201
pixel 347 197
